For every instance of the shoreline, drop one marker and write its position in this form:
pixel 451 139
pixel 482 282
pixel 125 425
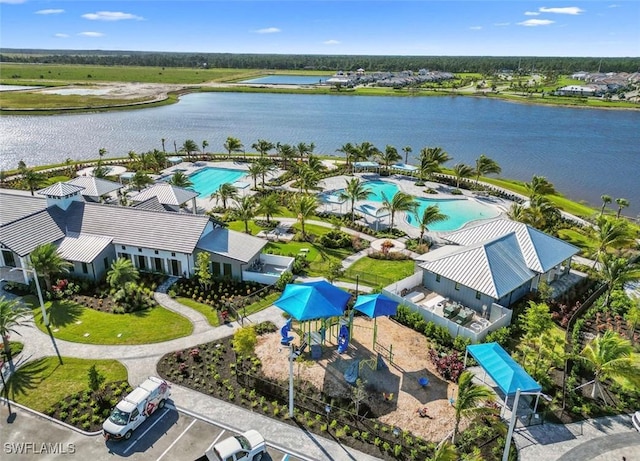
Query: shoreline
pixel 162 94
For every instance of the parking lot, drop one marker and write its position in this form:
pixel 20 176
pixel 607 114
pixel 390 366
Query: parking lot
pixel 167 435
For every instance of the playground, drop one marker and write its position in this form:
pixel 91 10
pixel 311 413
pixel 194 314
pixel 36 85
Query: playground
pixel 403 387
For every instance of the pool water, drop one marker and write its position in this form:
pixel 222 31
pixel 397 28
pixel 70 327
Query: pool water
pixel 459 212
pixel 208 180
pixel 377 188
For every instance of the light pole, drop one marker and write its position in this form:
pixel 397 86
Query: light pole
pixel 45 317
pixel 290 380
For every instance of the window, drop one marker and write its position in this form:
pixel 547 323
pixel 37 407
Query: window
pixel 477 295
pixel 215 269
pixel 72 268
pixel 457 287
pixel 123 247
pixel 438 278
pixel 142 262
pixel 139 250
pixel 134 414
pixel 85 268
pixel 106 262
pixel 226 270
pixel 173 254
pixel 155 252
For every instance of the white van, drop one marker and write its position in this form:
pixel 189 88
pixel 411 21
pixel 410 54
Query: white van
pixel 135 408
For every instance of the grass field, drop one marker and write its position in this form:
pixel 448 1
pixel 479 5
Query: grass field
pixel 43 382
pixel 208 311
pixel 72 322
pixel 378 271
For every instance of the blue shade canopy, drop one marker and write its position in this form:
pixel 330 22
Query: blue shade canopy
pixel 313 300
pixel 506 372
pixel 376 305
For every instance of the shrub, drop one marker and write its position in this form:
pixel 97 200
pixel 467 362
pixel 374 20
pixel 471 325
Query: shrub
pixel 449 366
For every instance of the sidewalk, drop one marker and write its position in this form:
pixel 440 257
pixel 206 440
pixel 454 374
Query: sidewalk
pixel 141 360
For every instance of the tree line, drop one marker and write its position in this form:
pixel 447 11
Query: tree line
pixel 329 63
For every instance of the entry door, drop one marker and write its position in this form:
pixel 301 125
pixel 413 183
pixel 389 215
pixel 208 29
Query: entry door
pixel 176 267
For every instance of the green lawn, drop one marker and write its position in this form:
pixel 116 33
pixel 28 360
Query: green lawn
pixel 379 271
pixel 260 305
pixel 72 322
pixel 208 311
pixel 586 244
pixel 43 382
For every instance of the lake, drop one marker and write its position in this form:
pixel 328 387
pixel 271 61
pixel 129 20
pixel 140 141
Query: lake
pixel 584 152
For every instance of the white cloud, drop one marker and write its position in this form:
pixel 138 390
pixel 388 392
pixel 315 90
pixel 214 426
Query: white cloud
pixel 331 42
pixel 50 11
pixel 501 24
pixel 475 28
pixel 91 34
pixel 565 10
pixel 61 35
pixel 268 30
pixel 531 13
pixel 15 2
pixel 536 22
pixel 110 16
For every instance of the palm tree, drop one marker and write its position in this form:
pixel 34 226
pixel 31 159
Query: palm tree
pixel 179 179
pixel 401 201
pixel 622 203
pixel 203 151
pixel 304 207
pixel 287 153
pixel 305 150
pixel 407 150
pixel 46 261
pixel 389 156
pixel 32 180
pixel 430 215
pixel 633 316
pixel 485 166
pixel 159 160
pixel 365 151
pixel 517 212
pixel 348 150
pixel 255 170
pixel 606 199
pixel 616 272
pixel 308 178
pixel 140 180
pixel 102 152
pixel 162 140
pixel 431 161
pixel 269 206
pixel 121 273
pixel 539 185
pixel 355 190
pixel 266 166
pixel 611 233
pixel 461 171
pixel 232 145
pixel 225 192
pixel 13 314
pixel 470 395
pixel 445 452
pixel 610 356
pixel 188 147
pixel 263 147
pixel 245 211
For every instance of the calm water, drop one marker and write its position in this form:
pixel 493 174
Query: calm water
pixel 289 79
pixel 378 188
pixel 585 153
pixel 458 212
pixel 208 180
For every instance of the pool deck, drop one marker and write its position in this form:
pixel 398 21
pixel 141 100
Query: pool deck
pixel 408 185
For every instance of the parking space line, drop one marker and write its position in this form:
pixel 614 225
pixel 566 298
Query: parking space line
pixel 215 440
pixel 177 438
pixel 166 410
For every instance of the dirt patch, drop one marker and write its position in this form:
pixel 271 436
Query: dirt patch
pixel 395 392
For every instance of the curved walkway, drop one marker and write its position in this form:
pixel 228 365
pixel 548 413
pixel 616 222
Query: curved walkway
pixel 141 361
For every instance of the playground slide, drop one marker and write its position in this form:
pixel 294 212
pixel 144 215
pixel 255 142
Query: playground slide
pixel 343 339
pixel 284 331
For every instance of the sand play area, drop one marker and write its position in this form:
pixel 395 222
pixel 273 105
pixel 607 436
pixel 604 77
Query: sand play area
pixel 400 380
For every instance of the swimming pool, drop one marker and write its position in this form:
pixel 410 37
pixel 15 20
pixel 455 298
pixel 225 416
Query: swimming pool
pixel 459 212
pixel 208 180
pixel 377 188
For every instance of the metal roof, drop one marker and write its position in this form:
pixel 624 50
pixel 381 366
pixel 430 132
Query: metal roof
pixel 60 189
pixel 541 251
pixel 232 244
pixel 83 248
pixel 170 231
pixel 25 234
pixel 152 204
pixel 15 206
pixel 95 187
pixel 495 268
pixel 167 194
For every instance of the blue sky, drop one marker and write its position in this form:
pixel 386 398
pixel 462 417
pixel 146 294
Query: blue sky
pixel 418 27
